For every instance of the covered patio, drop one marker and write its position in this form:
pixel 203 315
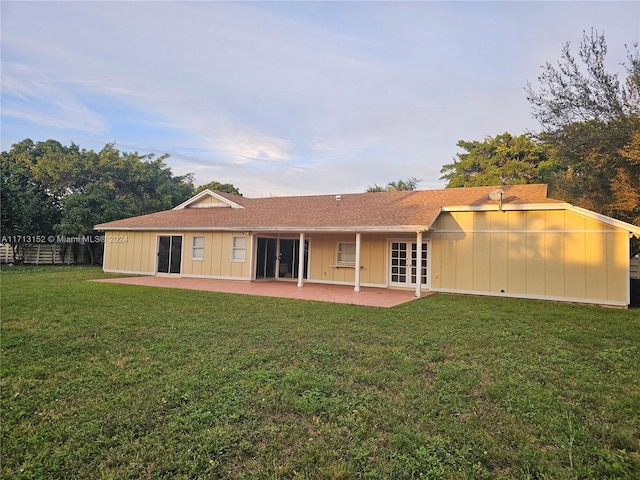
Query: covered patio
pixel 344 294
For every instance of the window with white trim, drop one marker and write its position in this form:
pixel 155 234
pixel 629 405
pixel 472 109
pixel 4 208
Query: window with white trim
pixel 197 248
pixel 238 249
pixel 346 253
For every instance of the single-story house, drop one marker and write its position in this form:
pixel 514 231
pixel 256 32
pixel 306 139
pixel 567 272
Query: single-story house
pixel 510 241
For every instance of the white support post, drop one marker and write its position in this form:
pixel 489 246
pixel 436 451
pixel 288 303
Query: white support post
pixel 252 267
pixel 301 260
pixel 418 264
pixel 278 255
pixel 356 288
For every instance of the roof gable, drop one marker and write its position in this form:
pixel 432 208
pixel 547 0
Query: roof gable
pixel 208 199
pixel 613 222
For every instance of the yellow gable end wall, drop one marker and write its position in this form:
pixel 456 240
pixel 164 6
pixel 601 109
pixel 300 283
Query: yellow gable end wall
pixel 209 200
pixel 554 254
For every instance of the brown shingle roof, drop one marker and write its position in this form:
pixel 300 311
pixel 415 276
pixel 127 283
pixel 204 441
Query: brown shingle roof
pixel 365 211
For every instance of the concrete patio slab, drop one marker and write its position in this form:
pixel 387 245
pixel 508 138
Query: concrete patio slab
pixel 370 297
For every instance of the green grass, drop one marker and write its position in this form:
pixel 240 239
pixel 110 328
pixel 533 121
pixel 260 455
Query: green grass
pixel 114 381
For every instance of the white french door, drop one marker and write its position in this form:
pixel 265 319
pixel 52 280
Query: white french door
pixel 405 266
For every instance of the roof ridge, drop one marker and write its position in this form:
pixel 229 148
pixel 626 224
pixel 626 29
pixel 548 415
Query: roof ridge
pixel 531 186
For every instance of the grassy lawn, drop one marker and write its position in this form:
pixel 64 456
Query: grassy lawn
pixel 114 381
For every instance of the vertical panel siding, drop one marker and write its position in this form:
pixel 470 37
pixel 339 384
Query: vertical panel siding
pixel 481 257
pixel 535 262
pixel 129 252
pixel 148 255
pixel 617 265
pixel 365 260
pixel 517 260
pixel 377 262
pixel 218 254
pixel 499 271
pixel 138 254
pixel 554 261
pixel 596 277
pixel 215 261
pixel 575 265
pixel 543 254
pixel 323 256
pixel 437 247
pixel 316 258
pixel 209 200
pixel 464 258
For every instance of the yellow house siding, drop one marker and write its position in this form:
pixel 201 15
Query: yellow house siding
pixel 555 254
pixel 365 260
pixel 225 256
pixel 481 257
pixel 209 200
pixel 324 251
pixel 575 264
pixel 498 276
pixel 448 260
pixel 315 271
pixel 189 265
pixel 375 265
pixel 595 281
pixel 323 255
pixel 517 265
pixel 618 265
pixel 135 252
pixel 464 257
pixel 129 252
pixel 217 256
pixel 535 265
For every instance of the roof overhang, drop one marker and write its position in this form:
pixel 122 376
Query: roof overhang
pixel 273 229
pixel 506 207
pixel 632 229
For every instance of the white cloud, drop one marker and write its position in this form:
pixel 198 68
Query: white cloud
pixel 52 104
pixel 245 147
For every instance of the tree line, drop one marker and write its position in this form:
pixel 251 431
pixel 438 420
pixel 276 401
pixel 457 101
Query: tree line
pixel 50 190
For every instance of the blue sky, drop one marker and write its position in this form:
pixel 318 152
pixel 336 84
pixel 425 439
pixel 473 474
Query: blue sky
pixel 287 98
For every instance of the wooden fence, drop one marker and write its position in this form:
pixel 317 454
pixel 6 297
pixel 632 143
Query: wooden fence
pixel 45 254
pixel 635 268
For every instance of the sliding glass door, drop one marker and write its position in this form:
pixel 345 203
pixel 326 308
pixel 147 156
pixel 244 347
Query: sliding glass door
pixel 169 253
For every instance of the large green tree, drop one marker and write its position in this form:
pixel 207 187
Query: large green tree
pixel 581 89
pixel 500 160
pixel 28 212
pixel 145 181
pixel 219 187
pixel 82 187
pixel 590 121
